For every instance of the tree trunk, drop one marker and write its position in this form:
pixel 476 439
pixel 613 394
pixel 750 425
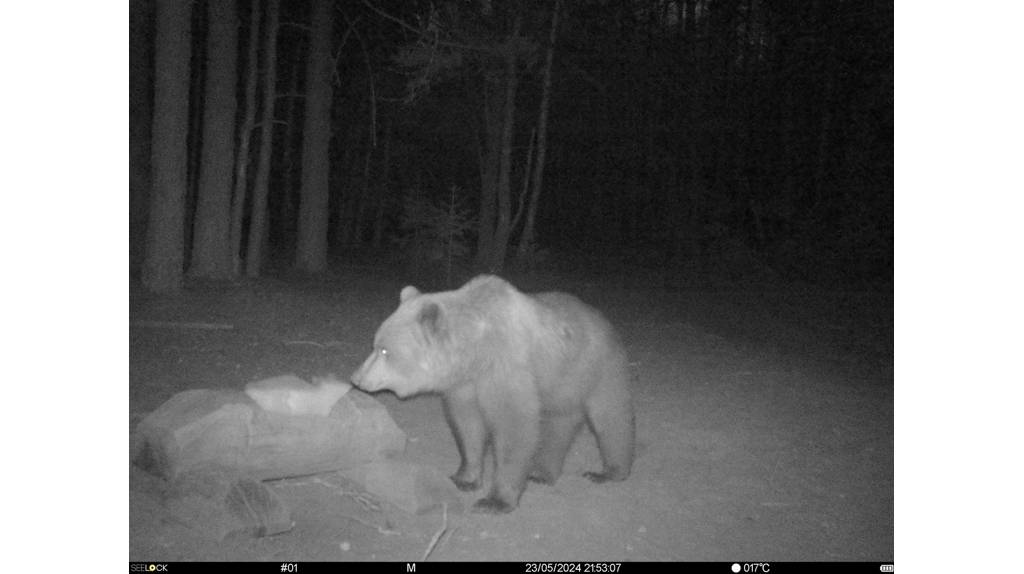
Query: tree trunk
pixel 165 235
pixel 212 249
pixel 311 252
pixel 825 119
pixel 503 225
pixel 140 117
pixel 691 248
pixel 524 201
pixel 382 190
pixel 821 149
pixel 364 198
pixel 694 189
pixel 526 242
pixel 488 156
pixel 195 128
pixel 257 223
pixel 287 192
pixel 245 136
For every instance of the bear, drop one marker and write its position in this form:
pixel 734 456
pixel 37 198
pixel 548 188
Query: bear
pixel 518 376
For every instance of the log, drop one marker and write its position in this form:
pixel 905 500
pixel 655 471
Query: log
pixel 228 430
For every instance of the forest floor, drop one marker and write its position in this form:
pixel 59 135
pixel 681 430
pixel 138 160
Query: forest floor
pixel 764 425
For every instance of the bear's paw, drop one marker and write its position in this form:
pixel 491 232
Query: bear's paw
pixel 492 505
pixel 602 477
pixel 466 485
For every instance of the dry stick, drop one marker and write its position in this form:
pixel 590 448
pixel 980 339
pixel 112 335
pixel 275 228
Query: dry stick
pixel 344 40
pixel 313 343
pixel 448 536
pixel 181 325
pixel 365 501
pixel 316 344
pixel 377 527
pixel 437 535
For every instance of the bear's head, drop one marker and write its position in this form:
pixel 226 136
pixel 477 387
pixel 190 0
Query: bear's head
pixel 413 348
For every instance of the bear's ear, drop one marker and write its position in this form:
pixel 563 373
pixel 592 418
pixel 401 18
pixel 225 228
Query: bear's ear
pixel 431 320
pixel 408 292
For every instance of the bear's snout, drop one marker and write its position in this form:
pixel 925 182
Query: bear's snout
pixel 358 378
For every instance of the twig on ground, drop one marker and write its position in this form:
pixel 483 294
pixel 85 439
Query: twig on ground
pixel 316 344
pixel 438 534
pixel 313 343
pixel 181 325
pixel 376 527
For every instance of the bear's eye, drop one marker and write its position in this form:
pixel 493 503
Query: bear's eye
pixel 383 352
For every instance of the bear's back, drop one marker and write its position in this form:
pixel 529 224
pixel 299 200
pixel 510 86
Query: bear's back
pixel 568 346
pixel 588 352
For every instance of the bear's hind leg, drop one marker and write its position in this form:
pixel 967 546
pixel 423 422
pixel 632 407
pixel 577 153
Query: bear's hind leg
pixel 467 424
pixel 557 434
pixel 610 416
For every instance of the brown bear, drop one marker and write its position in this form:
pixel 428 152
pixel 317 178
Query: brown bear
pixel 518 375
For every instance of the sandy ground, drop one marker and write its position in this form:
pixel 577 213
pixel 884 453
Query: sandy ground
pixel 764 426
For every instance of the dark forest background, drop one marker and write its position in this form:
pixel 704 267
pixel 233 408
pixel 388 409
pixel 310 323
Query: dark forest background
pixel 740 139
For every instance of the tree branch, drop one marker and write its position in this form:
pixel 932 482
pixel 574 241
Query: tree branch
pixel 425 37
pixel 369 73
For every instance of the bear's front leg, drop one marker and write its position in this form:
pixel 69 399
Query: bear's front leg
pixel 514 431
pixel 467 424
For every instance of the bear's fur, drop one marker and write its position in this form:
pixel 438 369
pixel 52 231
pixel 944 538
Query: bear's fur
pixel 518 374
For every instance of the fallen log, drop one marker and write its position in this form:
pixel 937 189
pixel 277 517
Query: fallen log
pixel 229 430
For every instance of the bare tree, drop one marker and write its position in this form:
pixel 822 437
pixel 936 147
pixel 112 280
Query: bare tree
pixel 526 240
pixel 483 45
pixel 503 222
pixel 245 139
pixel 285 194
pixel 257 225
pixel 212 248
pixel 140 117
pixel 311 251
pixel 488 158
pixel 165 237
pixel 382 189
